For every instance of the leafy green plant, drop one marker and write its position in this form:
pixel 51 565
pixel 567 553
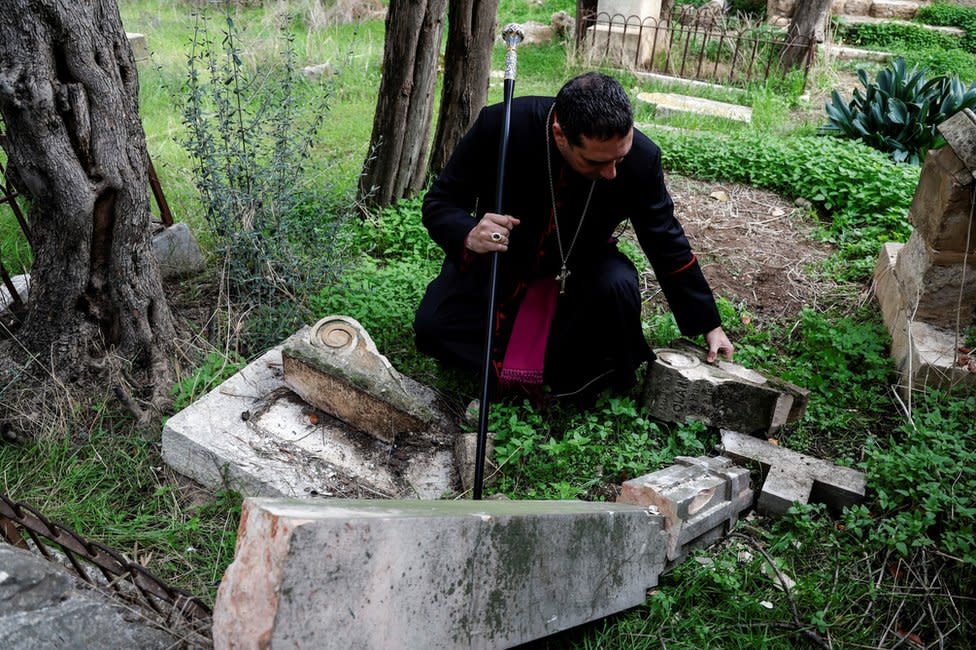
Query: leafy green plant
pixel 249 136
pixel 566 454
pixel 899 111
pixel 890 34
pixel 924 477
pixel 951 15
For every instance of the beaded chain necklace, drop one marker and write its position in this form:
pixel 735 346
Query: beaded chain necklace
pixel 563 256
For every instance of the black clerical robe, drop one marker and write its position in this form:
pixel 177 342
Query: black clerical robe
pixel 590 335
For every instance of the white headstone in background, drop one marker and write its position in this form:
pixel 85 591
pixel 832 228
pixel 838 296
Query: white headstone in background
pixel 640 8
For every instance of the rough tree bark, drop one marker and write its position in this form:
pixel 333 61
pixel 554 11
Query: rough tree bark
pixel 806 29
pixel 396 163
pixel 69 98
pixel 467 66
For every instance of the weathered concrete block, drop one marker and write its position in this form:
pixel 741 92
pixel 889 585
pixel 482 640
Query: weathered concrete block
pixel 893 9
pixel 254 435
pixel 138 44
pixel 681 385
pixel 794 477
pixel 45 607
pixel 443 574
pixel 338 369
pixel 938 288
pixel 700 498
pixel 924 354
pixel 857 7
pixel 940 209
pixel 668 104
pixel 960 134
pixel 177 251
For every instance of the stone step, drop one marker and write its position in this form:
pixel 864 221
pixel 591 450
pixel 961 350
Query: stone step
pixel 443 574
pixel 945 29
pixel 842 53
pixel 669 104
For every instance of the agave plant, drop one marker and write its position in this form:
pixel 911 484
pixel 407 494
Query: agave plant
pixel 899 111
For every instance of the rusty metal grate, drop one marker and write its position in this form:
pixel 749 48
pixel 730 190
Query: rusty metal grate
pixel 697 45
pixel 20 522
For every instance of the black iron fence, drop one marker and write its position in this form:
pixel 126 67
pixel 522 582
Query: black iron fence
pixel 699 45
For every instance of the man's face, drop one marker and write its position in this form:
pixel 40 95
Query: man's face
pixel 594 159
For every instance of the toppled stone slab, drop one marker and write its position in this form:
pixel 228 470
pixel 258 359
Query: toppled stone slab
pixel 924 354
pixel 254 435
pixel 177 251
pixel 45 607
pixel 337 368
pixel 668 104
pixel 700 498
pixel 794 477
pixel 681 385
pixel 443 574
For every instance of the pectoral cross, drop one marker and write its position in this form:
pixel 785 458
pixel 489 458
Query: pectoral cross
pixel 563 274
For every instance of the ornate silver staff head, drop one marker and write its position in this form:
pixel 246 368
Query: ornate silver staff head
pixel 512 35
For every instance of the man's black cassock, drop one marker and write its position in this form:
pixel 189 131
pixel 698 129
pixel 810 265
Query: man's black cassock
pixel 596 337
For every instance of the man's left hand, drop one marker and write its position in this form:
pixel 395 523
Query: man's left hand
pixel 718 342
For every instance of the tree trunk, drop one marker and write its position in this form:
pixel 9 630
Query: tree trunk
pixel 395 165
pixel 586 12
pixel 806 29
pixel 69 98
pixel 467 65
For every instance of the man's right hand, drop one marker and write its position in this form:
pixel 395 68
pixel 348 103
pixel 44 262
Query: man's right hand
pixel 491 233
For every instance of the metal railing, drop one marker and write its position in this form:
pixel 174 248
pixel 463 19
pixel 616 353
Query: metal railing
pixel 698 45
pixel 20 522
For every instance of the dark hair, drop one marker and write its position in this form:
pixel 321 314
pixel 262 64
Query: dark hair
pixel 595 105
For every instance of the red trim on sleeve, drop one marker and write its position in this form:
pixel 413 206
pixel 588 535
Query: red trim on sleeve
pixel 686 266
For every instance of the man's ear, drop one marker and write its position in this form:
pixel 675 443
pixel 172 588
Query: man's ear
pixel 557 132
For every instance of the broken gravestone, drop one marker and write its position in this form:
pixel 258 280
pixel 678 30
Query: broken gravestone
pixel 681 385
pixel 253 434
pixel 338 369
pixel 926 287
pixel 793 477
pixel 700 498
pixel 422 574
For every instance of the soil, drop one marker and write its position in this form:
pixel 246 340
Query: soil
pixel 756 248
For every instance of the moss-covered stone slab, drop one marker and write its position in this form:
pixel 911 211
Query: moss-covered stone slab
pixel 444 574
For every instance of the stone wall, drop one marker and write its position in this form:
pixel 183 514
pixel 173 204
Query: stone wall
pixel 779 11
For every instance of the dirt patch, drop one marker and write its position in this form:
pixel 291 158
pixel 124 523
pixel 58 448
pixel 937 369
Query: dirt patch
pixel 756 247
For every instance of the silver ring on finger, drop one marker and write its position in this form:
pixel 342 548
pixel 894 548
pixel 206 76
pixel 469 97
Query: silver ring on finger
pixel 496 237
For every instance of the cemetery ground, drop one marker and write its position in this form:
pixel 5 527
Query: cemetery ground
pixel 789 254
